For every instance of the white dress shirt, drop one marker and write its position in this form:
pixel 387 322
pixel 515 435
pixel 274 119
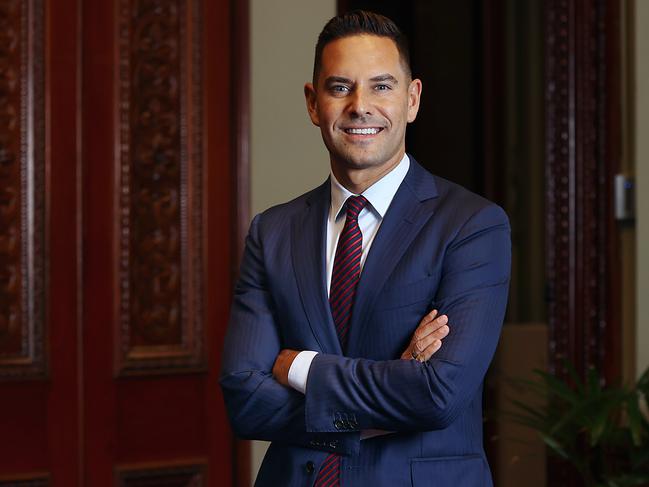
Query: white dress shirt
pixel 379 197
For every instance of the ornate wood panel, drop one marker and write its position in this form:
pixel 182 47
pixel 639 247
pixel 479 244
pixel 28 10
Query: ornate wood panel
pixel 102 222
pixel 581 158
pixel 156 131
pixel 160 251
pixel 162 476
pixel 582 154
pixel 22 189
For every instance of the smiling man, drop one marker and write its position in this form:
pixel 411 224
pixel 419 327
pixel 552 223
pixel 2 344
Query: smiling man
pixel 362 98
pixel 339 348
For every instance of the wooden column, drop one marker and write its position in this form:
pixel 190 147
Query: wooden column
pixel 582 155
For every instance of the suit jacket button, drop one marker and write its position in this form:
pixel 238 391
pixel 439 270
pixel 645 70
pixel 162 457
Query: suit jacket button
pixel 309 467
pixel 338 424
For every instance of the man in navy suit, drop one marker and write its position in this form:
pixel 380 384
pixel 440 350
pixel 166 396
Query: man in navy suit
pixel 334 349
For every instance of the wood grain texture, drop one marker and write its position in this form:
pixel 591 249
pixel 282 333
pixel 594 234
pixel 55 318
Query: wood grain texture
pixel 582 155
pixel 160 283
pixel 168 411
pixel 580 164
pixel 22 191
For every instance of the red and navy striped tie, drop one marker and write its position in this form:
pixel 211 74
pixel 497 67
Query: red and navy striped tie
pixel 344 280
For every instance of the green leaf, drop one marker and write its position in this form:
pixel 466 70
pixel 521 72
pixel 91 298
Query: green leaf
pixel 643 382
pixel 635 419
pixel 557 387
pixel 535 412
pixel 605 409
pixel 608 416
pixel 628 480
pixel 555 446
pixel 575 377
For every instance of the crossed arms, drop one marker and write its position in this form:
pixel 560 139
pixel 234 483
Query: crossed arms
pixel 395 395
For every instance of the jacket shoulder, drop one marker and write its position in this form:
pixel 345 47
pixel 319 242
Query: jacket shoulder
pixel 278 216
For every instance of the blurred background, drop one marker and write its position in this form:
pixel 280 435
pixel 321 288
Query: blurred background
pixel 139 137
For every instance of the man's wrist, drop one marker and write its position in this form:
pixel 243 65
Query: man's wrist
pixel 299 370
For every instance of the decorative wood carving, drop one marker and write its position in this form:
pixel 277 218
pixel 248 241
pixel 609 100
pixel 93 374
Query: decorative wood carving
pixel 162 476
pixel 22 250
pixel 160 284
pixel 579 181
pixel 581 100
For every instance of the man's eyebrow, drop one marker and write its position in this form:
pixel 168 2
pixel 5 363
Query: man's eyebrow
pixel 385 77
pixel 337 79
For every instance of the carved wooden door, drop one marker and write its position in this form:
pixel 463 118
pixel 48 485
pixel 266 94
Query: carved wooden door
pixel 117 199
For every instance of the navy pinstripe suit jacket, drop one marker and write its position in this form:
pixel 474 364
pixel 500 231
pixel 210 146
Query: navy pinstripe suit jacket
pixel 439 246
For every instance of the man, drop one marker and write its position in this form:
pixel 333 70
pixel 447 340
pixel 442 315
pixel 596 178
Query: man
pixel 339 292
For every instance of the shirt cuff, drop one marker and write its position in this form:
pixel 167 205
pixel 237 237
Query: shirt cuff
pixel 367 434
pixel 299 370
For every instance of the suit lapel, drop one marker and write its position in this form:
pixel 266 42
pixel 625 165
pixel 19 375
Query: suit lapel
pixel 308 237
pixel 411 208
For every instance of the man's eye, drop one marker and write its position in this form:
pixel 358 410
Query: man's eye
pixel 339 89
pixel 382 87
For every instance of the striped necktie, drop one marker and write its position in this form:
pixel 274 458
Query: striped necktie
pixel 344 280
pixel 347 268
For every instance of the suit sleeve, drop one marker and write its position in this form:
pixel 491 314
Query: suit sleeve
pixel 406 395
pixel 258 406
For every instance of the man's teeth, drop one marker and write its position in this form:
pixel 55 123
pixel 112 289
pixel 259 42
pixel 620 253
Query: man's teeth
pixel 369 131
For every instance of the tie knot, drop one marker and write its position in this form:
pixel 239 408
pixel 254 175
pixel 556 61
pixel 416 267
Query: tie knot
pixel 354 206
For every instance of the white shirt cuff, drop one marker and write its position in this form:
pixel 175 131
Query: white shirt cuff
pixel 367 434
pixel 299 370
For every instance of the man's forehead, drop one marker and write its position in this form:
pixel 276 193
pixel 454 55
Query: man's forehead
pixel 361 42
pixel 371 55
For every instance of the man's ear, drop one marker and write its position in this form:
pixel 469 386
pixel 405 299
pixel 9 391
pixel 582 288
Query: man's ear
pixel 414 96
pixel 311 103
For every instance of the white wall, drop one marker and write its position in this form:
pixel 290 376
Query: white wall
pixel 287 154
pixel 641 156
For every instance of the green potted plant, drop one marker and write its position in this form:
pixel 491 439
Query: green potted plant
pixel 602 431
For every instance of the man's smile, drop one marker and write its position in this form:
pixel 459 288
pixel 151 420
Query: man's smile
pixel 363 130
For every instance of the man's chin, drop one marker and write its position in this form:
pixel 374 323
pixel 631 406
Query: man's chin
pixel 360 162
pixel 369 163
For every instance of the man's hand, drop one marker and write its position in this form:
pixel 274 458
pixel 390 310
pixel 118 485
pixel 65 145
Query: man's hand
pixel 427 338
pixel 283 364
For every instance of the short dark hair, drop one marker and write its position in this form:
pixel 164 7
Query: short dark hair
pixel 360 22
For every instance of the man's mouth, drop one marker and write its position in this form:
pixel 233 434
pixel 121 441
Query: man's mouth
pixel 363 131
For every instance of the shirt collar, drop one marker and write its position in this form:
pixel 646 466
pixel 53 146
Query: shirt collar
pixel 379 195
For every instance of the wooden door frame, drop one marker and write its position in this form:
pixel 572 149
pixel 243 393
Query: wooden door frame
pixel 582 156
pixel 583 147
pixel 240 83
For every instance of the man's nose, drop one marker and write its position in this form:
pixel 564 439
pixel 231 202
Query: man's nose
pixel 359 103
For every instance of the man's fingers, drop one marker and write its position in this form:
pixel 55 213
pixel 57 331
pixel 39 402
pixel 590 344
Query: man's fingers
pixel 429 327
pixel 428 318
pixel 420 345
pixel 427 338
pixel 429 351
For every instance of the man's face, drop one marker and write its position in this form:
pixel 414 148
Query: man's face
pixel 362 103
